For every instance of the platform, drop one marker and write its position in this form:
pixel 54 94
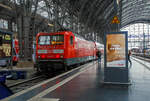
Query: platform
pixel 83 84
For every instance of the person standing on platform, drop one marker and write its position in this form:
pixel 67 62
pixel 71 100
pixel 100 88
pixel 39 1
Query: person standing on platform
pixel 98 53
pixel 129 55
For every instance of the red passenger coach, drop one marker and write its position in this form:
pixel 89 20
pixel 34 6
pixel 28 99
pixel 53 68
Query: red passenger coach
pixel 62 49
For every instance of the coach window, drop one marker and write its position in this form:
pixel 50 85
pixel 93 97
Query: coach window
pixel 71 40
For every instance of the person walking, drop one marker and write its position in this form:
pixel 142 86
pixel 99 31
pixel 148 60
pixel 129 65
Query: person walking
pixel 129 55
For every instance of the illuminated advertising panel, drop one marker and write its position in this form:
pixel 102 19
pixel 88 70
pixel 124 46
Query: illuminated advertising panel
pixel 5 45
pixel 115 50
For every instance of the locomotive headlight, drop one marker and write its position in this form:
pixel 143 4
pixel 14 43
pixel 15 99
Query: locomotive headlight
pixel 58 51
pixel 42 51
pixel 61 56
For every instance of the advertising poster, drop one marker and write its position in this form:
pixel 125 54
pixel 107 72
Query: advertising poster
pixel 115 50
pixel 5 45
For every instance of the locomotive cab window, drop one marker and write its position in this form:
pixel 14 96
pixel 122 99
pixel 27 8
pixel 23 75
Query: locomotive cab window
pixel 57 39
pixel 51 40
pixel 71 40
pixel 44 40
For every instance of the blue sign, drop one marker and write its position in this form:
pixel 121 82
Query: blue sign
pixel 138 36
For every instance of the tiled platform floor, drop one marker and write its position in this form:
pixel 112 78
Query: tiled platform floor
pixel 86 87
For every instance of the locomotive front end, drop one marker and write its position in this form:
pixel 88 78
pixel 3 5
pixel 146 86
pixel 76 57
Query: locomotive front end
pixel 49 51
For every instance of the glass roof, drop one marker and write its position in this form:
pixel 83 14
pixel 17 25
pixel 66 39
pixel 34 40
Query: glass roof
pixel 135 11
pixel 138 35
pixel 94 14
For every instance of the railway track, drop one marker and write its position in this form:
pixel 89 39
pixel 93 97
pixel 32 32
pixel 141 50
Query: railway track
pixel 142 58
pixel 17 87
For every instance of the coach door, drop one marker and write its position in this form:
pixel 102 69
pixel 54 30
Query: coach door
pixel 71 46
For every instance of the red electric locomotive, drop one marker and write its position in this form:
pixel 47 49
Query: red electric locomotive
pixel 62 49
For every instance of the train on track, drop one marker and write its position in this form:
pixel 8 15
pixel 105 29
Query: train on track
pixel 63 49
pixel 141 52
